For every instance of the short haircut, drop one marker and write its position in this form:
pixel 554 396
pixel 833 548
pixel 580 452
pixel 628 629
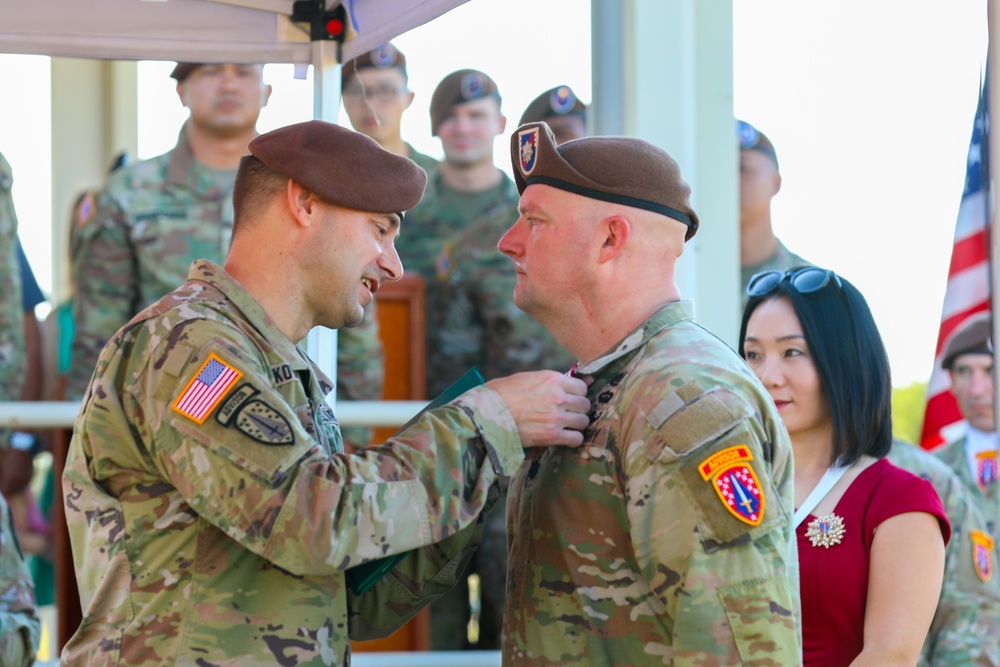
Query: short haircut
pixel 256 185
pixel 851 361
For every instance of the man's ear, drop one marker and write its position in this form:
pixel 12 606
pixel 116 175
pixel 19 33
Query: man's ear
pixel 613 234
pixel 302 203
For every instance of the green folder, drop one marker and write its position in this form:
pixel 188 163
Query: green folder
pixel 366 575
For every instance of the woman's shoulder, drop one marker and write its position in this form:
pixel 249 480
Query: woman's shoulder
pixel 897 491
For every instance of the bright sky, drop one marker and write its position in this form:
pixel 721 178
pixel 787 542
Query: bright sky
pixel 869 104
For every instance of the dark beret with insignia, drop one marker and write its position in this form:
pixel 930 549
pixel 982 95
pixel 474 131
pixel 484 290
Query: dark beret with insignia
pixel 183 70
pixel 973 336
pixel 344 167
pixel 558 101
pixel 459 87
pixel 752 139
pixel 621 170
pixel 385 56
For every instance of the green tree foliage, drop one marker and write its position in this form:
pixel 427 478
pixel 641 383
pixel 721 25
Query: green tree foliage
pixel 908 405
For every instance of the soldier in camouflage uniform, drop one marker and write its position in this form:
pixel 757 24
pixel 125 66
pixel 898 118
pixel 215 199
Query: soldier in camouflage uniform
pixel 375 93
pixel 471 319
pixel 760 181
pixel 211 508
pixel 966 625
pixel 667 538
pixel 136 241
pixel 20 628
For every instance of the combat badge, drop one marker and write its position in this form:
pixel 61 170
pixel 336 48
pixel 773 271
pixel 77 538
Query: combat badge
pixel 736 483
pixel 982 554
pixel 528 143
pixel 262 423
pixel 206 389
pixel 986 469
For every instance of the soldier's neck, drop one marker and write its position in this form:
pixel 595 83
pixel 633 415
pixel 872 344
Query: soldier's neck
pixel 218 152
pixel 757 242
pixel 470 178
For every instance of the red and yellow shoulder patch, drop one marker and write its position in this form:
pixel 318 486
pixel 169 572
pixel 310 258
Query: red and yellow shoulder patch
pixel 982 554
pixel 736 483
pixel 206 389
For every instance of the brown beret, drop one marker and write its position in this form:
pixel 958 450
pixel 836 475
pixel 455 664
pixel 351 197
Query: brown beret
pixel 752 139
pixel 343 167
pixel 973 336
pixel 459 87
pixel 385 56
pixel 621 170
pixel 183 70
pixel 558 101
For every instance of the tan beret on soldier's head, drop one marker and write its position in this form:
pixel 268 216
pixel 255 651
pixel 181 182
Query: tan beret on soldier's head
pixel 464 85
pixel 343 167
pixel 183 70
pixel 384 56
pixel 558 101
pixel 973 336
pixel 622 170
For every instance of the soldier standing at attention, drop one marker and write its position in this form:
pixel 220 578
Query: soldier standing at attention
pixel 374 87
pixel 561 110
pixel 667 538
pixel 20 627
pixel 136 241
pixel 471 317
pixel 211 508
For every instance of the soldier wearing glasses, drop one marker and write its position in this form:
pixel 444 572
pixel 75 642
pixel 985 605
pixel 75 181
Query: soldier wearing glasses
pixel 376 94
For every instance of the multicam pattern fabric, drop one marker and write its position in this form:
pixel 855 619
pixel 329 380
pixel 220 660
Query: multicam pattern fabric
pixel 20 627
pixel 151 221
pixel 211 545
pixel 966 625
pixel 988 500
pixel 13 362
pixel 622 552
pixel 471 316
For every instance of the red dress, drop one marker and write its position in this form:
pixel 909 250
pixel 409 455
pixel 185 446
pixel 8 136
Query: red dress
pixel 834 581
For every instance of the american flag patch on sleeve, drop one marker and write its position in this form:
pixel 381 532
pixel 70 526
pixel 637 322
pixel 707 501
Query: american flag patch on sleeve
pixel 206 389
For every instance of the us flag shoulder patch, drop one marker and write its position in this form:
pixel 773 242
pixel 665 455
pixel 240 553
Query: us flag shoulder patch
pixel 206 389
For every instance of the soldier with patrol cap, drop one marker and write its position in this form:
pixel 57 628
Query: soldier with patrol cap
pixel 374 87
pixel 137 239
pixel 211 508
pixel 561 110
pixel 968 358
pixel 20 627
pixel 470 315
pixel 667 538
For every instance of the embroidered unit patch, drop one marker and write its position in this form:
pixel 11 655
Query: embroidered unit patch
pixel 982 554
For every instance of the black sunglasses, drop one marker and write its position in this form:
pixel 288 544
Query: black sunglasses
pixel 806 280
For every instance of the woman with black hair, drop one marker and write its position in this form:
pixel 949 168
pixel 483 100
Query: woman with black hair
pixel 871 536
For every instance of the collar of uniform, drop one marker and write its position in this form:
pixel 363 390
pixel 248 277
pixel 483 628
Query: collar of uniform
pixel 215 275
pixel 672 313
pixel 185 171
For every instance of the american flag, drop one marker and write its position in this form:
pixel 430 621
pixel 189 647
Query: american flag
pixel 206 389
pixel 969 280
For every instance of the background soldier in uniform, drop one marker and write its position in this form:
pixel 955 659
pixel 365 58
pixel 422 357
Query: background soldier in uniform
pixel 561 110
pixel 156 216
pixel 20 628
pixel 471 318
pixel 375 90
pixel 211 510
pixel 667 538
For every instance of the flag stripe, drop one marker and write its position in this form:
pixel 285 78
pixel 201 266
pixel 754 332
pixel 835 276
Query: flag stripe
pixel 969 252
pixel 206 389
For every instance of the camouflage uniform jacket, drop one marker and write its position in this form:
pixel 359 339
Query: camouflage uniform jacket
pixel 966 625
pixel 137 243
pixel 20 628
pixel 12 354
pixel 225 542
pixel 632 549
pixel 471 316
pixel 988 501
